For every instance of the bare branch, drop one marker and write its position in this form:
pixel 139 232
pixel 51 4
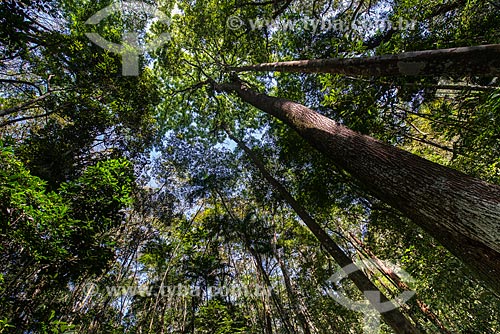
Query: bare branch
pixel 23 106
pixel 25 119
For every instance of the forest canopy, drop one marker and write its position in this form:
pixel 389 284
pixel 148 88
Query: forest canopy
pixel 240 166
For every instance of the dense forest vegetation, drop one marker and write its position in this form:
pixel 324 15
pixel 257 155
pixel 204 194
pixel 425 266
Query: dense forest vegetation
pixel 190 175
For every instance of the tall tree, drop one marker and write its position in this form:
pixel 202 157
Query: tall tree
pixel 474 60
pixel 394 317
pixel 70 238
pixel 458 210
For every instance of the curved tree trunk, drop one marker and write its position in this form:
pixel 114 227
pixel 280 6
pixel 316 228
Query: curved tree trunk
pixel 474 60
pixel 461 212
pixel 394 317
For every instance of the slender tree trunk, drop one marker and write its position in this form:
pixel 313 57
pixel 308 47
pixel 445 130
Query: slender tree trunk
pixel 277 301
pixel 394 317
pixel 263 275
pixel 266 310
pixel 461 212
pixel 267 316
pixel 396 280
pixel 473 60
pixel 298 306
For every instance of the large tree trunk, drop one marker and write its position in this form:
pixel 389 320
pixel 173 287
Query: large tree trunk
pixel 393 317
pixel 474 60
pixel 461 212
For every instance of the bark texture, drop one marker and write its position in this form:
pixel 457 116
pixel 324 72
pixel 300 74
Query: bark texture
pixel 473 60
pixel 394 317
pixel 461 212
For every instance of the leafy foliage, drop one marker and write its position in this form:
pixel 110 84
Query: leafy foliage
pixel 123 204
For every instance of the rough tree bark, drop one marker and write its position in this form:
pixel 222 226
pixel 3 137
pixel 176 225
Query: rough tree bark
pixel 474 60
pixel 461 212
pixel 394 318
